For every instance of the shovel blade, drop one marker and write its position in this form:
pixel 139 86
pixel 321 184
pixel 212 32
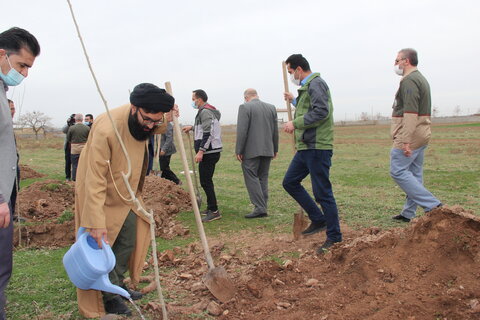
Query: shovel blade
pixel 299 224
pixel 219 284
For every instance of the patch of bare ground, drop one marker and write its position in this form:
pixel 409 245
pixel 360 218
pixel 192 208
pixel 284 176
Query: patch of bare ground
pixel 428 270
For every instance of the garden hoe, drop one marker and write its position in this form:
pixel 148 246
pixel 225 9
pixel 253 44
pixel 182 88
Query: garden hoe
pixel 216 279
pixel 299 221
pixel 195 177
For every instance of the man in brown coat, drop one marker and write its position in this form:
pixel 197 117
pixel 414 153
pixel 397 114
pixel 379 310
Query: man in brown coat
pixel 101 198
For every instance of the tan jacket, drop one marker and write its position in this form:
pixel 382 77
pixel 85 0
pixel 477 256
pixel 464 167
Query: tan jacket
pixel 411 112
pixel 98 204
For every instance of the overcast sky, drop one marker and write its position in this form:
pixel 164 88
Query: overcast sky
pixel 226 46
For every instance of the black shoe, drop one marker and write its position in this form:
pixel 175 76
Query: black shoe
pixel 204 212
pixel 211 216
pixel 438 206
pixel 314 227
pixel 256 215
pixel 134 295
pixel 117 306
pixel 401 218
pixel 325 246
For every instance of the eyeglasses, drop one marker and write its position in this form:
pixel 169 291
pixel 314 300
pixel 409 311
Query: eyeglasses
pixel 149 121
pixel 398 60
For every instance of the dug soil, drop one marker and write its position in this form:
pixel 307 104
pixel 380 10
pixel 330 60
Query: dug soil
pixel 48 206
pixel 28 173
pixel 428 270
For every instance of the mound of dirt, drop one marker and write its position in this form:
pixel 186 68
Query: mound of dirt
pixel 48 208
pixel 28 173
pixel 428 270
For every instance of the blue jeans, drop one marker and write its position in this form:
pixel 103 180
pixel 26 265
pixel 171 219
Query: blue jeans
pixel 317 163
pixel 408 174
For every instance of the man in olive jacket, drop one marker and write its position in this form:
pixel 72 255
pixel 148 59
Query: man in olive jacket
pixel 313 129
pixel 410 132
pixel 101 198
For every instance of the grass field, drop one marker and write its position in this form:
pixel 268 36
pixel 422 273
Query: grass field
pixel 365 194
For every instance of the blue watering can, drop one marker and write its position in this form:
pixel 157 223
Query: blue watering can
pixel 88 266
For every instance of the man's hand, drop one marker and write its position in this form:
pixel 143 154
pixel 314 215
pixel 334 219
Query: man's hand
pixel 406 150
pixel 288 96
pixel 175 111
pixel 187 128
pixel 288 127
pixel 275 155
pixel 199 156
pixel 4 215
pixel 98 234
pixel 240 157
pixel 162 153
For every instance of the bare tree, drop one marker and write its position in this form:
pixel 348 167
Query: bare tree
pixel 364 116
pixel 36 121
pixel 456 111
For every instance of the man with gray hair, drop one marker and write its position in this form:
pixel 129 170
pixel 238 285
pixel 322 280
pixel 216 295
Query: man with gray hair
pixel 77 136
pixel 411 132
pixel 256 146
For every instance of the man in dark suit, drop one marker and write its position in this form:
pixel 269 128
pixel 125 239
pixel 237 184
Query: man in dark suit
pixel 257 145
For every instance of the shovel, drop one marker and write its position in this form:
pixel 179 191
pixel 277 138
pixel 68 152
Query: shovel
pixel 197 192
pixel 216 279
pixel 299 220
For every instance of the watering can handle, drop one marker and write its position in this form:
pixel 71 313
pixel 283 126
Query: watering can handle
pixel 82 230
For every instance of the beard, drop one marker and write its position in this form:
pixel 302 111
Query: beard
pixel 137 130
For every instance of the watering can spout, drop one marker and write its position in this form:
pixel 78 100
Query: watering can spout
pixel 104 284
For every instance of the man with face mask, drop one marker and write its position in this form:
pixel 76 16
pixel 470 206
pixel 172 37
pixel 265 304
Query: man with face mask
pixel 411 132
pixel 313 129
pixel 18 50
pixel 100 192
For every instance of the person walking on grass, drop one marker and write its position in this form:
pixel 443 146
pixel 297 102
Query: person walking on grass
pixel 410 131
pixel 208 146
pixel 256 146
pixel 18 50
pixel 313 130
pixel 167 149
pixel 77 136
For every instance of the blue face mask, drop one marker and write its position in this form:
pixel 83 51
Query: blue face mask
pixel 193 105
pixel 86 123
pixel 13 77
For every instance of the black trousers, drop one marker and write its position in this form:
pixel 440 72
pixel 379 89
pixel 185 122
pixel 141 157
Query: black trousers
pixel 68 162
pixel 206 169
pixel 122 248
pixel 74 160
pixel 167 173
pixel 6 261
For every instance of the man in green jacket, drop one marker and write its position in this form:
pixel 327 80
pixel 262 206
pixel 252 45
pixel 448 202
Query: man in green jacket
pixel 313 129
pixel 411 133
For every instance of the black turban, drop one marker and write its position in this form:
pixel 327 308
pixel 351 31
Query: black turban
pixel 151 98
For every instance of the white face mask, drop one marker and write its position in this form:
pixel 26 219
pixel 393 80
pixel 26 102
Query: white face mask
pixel 293 80
pixel 397 70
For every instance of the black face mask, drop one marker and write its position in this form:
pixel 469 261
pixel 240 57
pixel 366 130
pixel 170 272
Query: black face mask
pixel 137 129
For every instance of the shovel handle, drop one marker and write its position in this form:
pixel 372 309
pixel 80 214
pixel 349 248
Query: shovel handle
pixel 197 191
pixel 289 107
pixel 196 211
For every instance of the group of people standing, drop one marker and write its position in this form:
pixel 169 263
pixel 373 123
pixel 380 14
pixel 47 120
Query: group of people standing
pixel 102 202
pixel 76 131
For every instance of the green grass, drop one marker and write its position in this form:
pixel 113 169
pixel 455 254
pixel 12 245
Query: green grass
pixel 365 194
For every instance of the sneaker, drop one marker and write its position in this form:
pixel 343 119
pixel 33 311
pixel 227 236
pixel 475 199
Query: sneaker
pixel 212 215
pixel 204 212
pixel 401 218
pixel 314 227
pixel 117 306
pixel 325 246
